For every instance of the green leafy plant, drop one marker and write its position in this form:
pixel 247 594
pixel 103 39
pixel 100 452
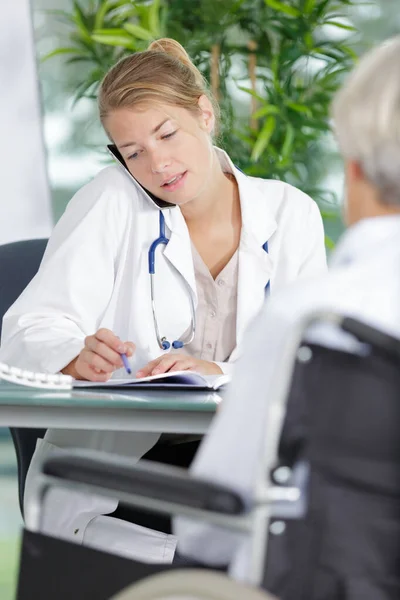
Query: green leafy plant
pixel 299 71
pixel 101 32
pixel 274 65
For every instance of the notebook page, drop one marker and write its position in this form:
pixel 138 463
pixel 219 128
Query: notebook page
pixel 183 378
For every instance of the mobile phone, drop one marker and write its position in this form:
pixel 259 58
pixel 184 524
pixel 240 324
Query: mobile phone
pixel 115 153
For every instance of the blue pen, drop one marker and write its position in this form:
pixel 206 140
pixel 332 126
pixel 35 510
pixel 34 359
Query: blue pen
pixel 126 364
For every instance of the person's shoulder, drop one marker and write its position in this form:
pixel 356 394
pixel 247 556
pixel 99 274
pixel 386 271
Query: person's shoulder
pixel 338 289
pixel 108 191
pixel 106 200
pixel 112 180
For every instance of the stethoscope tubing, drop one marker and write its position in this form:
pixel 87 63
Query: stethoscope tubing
pixel 162 341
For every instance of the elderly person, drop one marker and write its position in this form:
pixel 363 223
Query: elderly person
pixel 363 282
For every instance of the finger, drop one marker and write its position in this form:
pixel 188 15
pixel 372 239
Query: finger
pixel 147 369
pixel 111 340
pixel 97 361
pixel 183 365
pixel 102 349
pixel 89 373
pixel 130 348
pixel 98 375
pixel 165 364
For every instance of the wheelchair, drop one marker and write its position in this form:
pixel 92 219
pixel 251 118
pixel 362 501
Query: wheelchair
pixel 325 525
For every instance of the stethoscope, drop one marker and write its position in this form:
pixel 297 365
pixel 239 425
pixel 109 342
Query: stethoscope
pixel 162 341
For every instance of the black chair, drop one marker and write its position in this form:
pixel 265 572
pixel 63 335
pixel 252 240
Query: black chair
pixel 19 262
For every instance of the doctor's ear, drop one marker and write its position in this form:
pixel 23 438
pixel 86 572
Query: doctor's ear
pixel 206 113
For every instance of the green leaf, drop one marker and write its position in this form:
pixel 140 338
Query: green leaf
pixel 301 108
pixel 284 8
pixel 263 138
pixel 104 8
pixel 309 6
pixel 349 51
pixel 320 125
pixel 122 12
pixel 154 19
pixel 323 52
pixel 139 32
pixel 309 40
pixel 76 59
pixel 252 93
pixel 329 243
pixel 80 20
pixel 288 142
pixel 327 216
pixel 58 51
pixel 340 25
pixel 266 110
pixel 112 32
pixel 124 41
pixel 322 8
pixel 331 76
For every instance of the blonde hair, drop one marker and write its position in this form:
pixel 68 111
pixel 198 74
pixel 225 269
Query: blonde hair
pixel 163 74
pixel 366 113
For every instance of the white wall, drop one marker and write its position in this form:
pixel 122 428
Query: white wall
pixel 25 208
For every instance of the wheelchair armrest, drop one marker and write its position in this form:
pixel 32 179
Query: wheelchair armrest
pixel 367 334
pixel 146 479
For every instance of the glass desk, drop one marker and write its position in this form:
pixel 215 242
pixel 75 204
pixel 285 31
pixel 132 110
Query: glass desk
pixel 111 410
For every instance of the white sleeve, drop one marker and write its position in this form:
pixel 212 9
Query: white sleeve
pixel 313 261
pixel 45 328
pixel 231 453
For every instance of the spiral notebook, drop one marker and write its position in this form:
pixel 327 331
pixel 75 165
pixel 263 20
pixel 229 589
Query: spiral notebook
pixel 24 377
pixel 175 380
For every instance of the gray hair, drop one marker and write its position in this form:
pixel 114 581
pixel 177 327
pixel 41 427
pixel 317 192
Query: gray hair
pixel 366 113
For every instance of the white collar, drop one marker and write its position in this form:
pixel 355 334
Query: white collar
pixel 365 239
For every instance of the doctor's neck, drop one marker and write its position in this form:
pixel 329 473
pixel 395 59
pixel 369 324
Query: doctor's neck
pixel 217 202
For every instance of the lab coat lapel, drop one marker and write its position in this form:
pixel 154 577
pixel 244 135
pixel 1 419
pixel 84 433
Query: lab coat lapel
pixel 179 250
pixel 255 264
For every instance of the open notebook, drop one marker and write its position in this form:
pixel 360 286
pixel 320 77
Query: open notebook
pixel 176 380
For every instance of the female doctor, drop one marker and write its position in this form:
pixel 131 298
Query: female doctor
pixel 165 257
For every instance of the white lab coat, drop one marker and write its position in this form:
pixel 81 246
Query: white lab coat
pixel 95 274
pixel 364 283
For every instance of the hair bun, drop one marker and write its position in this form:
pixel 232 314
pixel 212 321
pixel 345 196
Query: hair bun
pixel 172 48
